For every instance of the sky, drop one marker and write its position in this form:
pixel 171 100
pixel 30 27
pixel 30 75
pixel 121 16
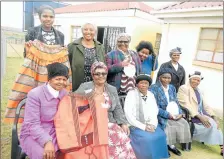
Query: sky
pixel 15 19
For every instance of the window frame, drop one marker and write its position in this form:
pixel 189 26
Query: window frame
pixel 214 51
pixel 71 31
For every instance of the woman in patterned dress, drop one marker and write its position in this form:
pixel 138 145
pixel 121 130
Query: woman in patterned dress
pixel 83 52
pixel 118 60
pixel 118 142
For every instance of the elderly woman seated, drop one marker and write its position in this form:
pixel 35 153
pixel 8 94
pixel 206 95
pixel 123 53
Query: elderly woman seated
pixel 123 65
pixel 38 138
pixel 206 124
pixel 170 114
pixel 147 138
pixel 96 121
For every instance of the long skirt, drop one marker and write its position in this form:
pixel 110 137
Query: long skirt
pixel 119 143
pixel 210 135
pixel 119 147
pixel 149 145
pixel 177 131
pixel 33 73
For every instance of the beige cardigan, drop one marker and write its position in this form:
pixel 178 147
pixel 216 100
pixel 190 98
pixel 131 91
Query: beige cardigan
pixel 187 98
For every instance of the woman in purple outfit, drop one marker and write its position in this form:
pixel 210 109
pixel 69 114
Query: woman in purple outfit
pixel 38 137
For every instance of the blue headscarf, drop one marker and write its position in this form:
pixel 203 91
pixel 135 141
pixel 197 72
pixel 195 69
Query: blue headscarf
pixel 163 71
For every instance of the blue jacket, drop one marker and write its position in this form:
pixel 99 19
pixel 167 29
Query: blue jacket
pixel 162 102
pixel 148 63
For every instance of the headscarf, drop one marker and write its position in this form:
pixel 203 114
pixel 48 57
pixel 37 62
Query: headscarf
pixel 146 77
pixel 96 65
pixel 124 35
pixel 176 50
pixel 163 71
pixel 196 74
pixel 57 69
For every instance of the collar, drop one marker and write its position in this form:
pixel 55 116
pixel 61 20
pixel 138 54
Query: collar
pixel 53 92
pixel 48 94
pixel 165 89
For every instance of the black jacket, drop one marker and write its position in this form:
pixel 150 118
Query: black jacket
pixel 178 77
pixel 36 33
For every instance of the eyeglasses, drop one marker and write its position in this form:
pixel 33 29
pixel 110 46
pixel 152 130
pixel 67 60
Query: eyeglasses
pixel 100 73
pixel 125 42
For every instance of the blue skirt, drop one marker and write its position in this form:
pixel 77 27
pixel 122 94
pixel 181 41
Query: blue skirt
pixel 149 145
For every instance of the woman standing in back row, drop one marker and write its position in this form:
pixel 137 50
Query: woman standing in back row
pixel 83 52
pixel 178 77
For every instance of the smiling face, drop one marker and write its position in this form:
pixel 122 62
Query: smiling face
pixel 143 54
pixel 99 76
pixel 47 18
pixel 123 43
pixel 194 82
pixel 58 82
pixel 175 57
pixel 88 32
pixel 165 79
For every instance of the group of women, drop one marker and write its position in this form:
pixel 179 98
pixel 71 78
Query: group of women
pixel 89 122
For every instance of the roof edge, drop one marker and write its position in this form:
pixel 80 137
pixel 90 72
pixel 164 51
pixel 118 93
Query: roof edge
pixel 187 10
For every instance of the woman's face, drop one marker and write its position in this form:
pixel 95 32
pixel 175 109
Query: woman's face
pixel 99 76
pixel 165 79
pixel 143 86
pixel 143 54
pixel 175 57
pixel 123 43
pixel 194 82
pixel 58 82
pixel 88 32
pixel 47 18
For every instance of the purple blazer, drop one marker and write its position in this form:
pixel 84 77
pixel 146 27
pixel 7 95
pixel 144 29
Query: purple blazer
pixel 38 126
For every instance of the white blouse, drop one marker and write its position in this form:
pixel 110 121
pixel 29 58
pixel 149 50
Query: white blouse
pixel 54 92
pixel 150 110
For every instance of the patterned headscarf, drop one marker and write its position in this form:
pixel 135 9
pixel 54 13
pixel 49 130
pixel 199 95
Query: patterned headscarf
pixel 124 35
pixel 196 74
pixel 96 65
pixel 176 50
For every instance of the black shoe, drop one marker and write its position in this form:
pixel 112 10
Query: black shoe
pixel 221 153
pixel 175 151
pixel 169 154
pixel 186 146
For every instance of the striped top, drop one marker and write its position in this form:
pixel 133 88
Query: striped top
pixel 127 83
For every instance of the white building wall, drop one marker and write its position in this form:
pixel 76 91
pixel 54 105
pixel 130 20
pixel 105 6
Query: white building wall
pixel 123 18
pixel 186 36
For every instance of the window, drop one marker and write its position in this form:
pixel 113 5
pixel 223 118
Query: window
pixel 76 32
pixel 58 27
pixel 210 46
pixel 157 43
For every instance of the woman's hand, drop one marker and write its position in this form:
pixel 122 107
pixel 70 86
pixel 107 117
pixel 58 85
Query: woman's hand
pixel 49 152
pixel 29 43
pixel 126 129
pixel 150 128
pixel 125 62
pixel 178 117
pixel 204 121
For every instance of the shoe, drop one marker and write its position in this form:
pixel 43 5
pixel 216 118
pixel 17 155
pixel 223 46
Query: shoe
pixel 169 154
pixel 175 151
pixel 186 146
pixel 221 153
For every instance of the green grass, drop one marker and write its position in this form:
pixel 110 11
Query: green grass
pixel 198 151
